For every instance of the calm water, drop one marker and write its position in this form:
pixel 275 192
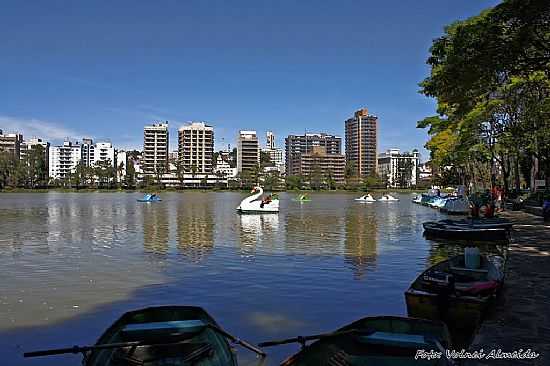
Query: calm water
pixel 72 263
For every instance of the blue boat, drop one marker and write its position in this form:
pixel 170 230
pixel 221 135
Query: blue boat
pixel 150 198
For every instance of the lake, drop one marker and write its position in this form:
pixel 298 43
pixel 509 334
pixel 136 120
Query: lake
pixel 74 262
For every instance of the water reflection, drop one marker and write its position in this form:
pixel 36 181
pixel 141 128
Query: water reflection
pixel 360 242
pixel 156 230
pixel 71 262
pixel 195 229
pixel 312 231
pixel 254 230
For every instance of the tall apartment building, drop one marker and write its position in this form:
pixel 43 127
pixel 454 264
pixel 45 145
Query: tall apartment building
pixel 11 143
pixel 121 164
pixel 400 170
pixel 87 149
pixel 155 148
pixel 30 144
pixel 104 152
pixel 270 140
pixel 63 160
pixel 276 155
pixel 248 151
pixel 362 142
pixel 196 146
pixel 304 144
pixel 319 160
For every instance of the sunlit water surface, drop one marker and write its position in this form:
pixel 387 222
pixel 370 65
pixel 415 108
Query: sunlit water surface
pixel 72 263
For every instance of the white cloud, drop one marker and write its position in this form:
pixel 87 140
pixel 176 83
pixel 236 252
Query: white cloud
pixel 48 131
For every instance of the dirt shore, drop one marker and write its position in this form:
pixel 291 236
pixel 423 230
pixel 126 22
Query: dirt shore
pixel 521 320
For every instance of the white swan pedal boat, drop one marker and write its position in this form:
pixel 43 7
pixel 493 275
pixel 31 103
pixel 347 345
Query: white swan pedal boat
pixel 366 198
pixel 388 198
pixel 256 204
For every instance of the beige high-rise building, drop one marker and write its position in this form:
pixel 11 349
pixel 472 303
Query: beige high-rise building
pixel 328 165
pixel 11 143
pixel 248 151
pixel 362 142
pixel 196 146
pixel 155 148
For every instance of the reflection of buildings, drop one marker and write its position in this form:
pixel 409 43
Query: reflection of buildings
pixel 313 233
pixel 360 243
pixel 155 228
pixel 256 228
pixel 195 229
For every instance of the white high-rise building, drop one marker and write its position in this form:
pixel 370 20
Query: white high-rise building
pixel 121 159
pixel 196 146
pixel 63 160
pixel 104 152
pixel 155 148
pixel 28 145
pixel 401 170
pixel 276 155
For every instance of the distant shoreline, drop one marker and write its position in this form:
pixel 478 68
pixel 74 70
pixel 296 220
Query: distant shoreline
pixel 145 190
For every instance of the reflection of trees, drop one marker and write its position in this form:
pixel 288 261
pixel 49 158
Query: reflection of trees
pixel 195 229
pixel 256 228
pixel 360 243
pixel 155 228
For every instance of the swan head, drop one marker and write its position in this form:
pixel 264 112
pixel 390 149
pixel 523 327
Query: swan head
pixel 255 189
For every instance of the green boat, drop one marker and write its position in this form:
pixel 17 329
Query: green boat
pixel 457 295
pixel 381 340
pixel 155 336
pixel 302 198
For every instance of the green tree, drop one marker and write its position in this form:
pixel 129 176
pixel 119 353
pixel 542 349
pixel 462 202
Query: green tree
pixel 489 74
pixel 265 159
pixel 315 178
pixel 130 178
pixel 294 182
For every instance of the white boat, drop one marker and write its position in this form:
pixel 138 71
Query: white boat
pixel 258 204
pixel 457 205
pixel 417 199
pixel 388 198
pixel 366 198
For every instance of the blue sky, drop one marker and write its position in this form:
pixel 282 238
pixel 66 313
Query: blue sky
pixel 105 69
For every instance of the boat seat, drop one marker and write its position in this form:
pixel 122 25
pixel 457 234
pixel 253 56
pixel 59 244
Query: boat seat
pixel 141 331
pixel 469 270
pixel 395 340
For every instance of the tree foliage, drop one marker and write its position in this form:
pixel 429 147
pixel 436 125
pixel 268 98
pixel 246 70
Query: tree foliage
pixel 490 75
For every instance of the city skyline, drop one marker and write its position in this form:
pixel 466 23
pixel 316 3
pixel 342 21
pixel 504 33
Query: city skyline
pixel 307 66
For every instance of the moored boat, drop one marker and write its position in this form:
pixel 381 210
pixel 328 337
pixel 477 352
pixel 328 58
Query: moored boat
pixel 454 292
pixel 463 229
pixel 381 340
pixel 456 206
pixel 155 336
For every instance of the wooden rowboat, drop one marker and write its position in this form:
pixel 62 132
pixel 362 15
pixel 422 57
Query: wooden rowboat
pixel 454 294
pixel 154 336
pixel 381 340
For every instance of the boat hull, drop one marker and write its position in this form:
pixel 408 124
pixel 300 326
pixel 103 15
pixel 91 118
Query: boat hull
pixel 463 313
